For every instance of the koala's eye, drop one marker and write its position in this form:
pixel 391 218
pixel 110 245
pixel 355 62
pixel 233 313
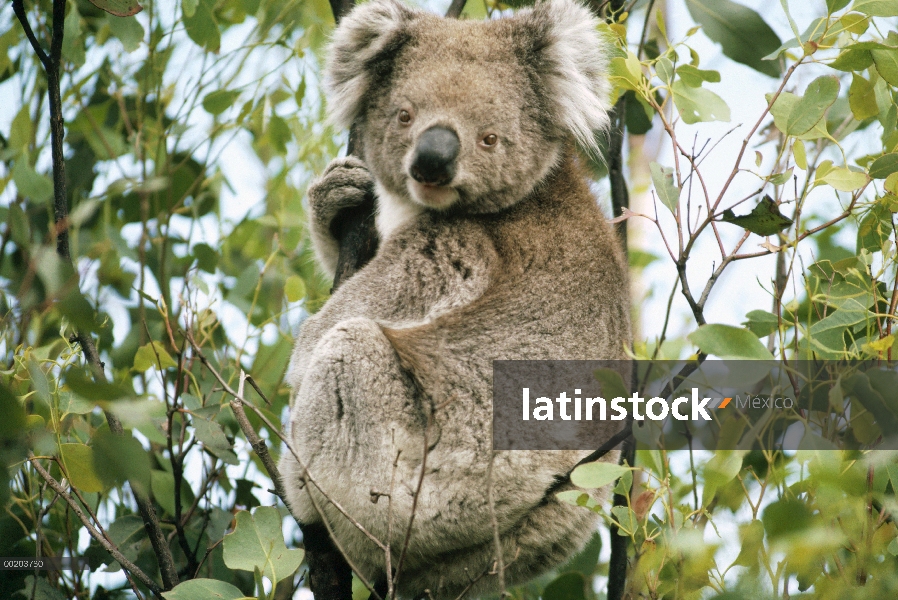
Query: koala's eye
pixel 405 117
pixel 490 140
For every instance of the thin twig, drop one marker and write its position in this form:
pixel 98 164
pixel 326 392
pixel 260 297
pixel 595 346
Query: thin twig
pixel 415 497
pixel 109 546
pixel 497 537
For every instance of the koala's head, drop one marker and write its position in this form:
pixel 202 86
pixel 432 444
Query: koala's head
pixel 464 114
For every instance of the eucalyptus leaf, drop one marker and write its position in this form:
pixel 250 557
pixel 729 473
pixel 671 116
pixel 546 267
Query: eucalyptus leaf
pixel 597 474
pixel 884 166
pixel 728 342
pixel 204 589
pixel 764 219
pixel 258 543
pixel 876 8
pixel 886 62
pixel 119 8
pixel 667 190
pixel 744 36
pixel 698 104
pixel 819 95
pixel 79 464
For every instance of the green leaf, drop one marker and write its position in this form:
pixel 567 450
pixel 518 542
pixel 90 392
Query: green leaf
pixel 887 64
pixel 884 166
pixel 202 27
pixel 85 386
pixel 203 589
pixel 71 404
pixel 19 227
pixel 741 31
pixel 39 382
pixel 38 188
pixel 667 190
pixel 862 98
pixel 188 7
pixel 694 77
pixel 639 113
pixel 257 542
pixel 720 470
pixel 39 589
pixel 785 517
pixel 211 434
pixel 151 356
pixel 127 532
pixel 120 458
pixel 819 96
pixel 128 30
pixel 875 390
pixel 626 519
pixel 12 425
pixel 73 41
pixel 698 104
pixel 852 60
pixel 294 288
pixel 568 586
pixel 664 69
pixel 762 323
pixel 219 101
pixel 119 8
pixel 827 334
pixel 780 179
pixel 611 383
pixel 21 130
pixel 892 470
pixel 854 22
pixel 79 464
pixel 752 542
pixel 836 5
pixel 597 474
pixel 726 341
pixel 764 219
pixel 844 179
pixel 876 8
pixel 781 110
pixel 163 486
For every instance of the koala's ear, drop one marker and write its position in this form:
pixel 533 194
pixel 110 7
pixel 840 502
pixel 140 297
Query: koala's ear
pixel 572 58
pixel 371 32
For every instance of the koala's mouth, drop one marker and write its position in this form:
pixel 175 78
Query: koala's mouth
pixel 439 197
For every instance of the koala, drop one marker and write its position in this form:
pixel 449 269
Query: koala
pixel 491 246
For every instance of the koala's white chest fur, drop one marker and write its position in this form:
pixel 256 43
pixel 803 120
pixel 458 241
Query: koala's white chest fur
pixel 393 212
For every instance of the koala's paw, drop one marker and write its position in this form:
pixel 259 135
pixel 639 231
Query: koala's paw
pixel 344 184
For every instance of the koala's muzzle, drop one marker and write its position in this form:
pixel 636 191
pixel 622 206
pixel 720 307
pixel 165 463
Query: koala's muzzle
pixel 434 160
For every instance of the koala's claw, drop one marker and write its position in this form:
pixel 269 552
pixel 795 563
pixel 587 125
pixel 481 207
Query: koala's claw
pixel 344 184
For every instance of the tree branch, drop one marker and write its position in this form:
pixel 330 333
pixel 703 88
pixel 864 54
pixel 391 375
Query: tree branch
pixel 109 546
pixel 52 65
pixel 456 8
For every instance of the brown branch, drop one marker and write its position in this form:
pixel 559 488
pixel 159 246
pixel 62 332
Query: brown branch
pixel 497 535
pixel 415 498
pixel 52 63
pixel 456 8
pixel 109 546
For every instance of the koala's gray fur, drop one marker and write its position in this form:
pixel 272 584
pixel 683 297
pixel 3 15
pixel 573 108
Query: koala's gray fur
pixel 511 259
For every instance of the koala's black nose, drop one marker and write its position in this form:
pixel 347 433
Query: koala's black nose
pixel 434 160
